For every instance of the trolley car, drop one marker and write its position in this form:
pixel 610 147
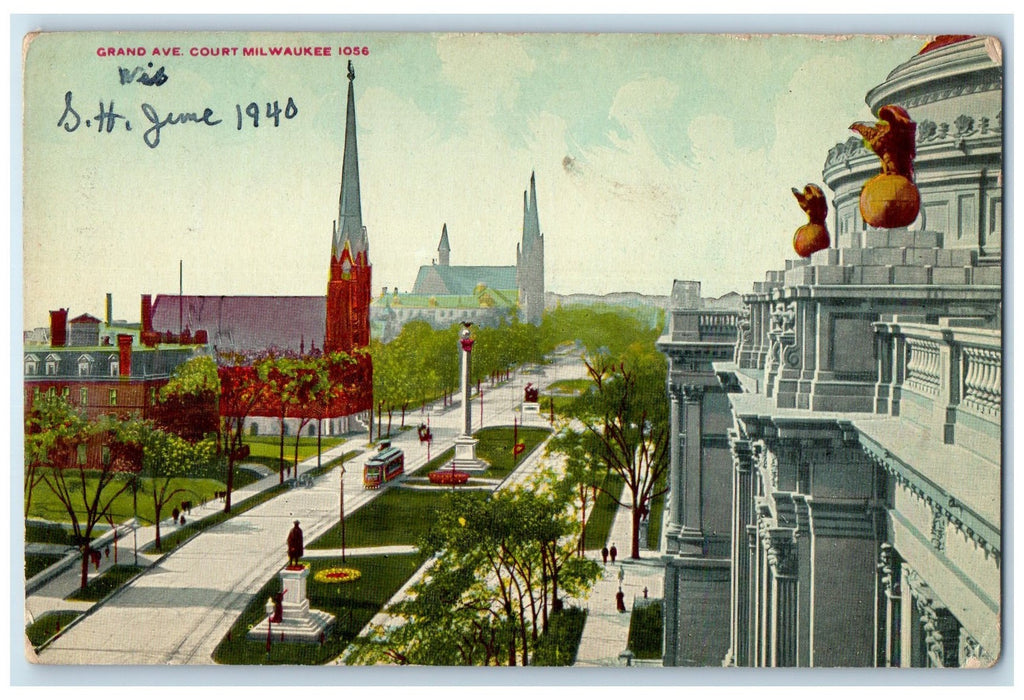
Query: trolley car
pixel 388 463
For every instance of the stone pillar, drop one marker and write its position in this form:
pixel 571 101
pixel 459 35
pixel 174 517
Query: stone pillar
pixel 890 607
pixel 779 544
pixel 691 517
pixel 675 479
pixel 466 350
pixel 753 579
pixel 742 459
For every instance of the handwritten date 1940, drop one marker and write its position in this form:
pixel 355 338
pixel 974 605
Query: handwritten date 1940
pixel 108 120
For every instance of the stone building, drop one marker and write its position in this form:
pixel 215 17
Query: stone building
pixel 486 295
pixel 862 406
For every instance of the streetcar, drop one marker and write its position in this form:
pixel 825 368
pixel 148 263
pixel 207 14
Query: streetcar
pixel 388 463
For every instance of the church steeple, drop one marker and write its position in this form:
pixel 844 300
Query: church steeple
pixel 443 248
pixel 349 227
pixel 530 259
pixel 531 221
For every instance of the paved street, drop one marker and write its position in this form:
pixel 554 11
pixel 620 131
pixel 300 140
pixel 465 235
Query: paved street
pixel 178 611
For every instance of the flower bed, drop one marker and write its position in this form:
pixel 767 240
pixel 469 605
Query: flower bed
pixel 337 574
pixel 448 477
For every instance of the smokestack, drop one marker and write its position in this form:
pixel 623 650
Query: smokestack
pixel 59 328
pixel 110 308
pixel 147 313
pixel 124 346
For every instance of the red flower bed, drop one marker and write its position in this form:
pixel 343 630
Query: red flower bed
pixel 448 477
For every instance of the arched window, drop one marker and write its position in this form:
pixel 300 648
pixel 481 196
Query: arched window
pixel 31 364
pixel 84 365
pixel 114 363
pixel 52 363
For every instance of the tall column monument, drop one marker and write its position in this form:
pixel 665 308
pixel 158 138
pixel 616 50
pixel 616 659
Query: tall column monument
pixel 465 444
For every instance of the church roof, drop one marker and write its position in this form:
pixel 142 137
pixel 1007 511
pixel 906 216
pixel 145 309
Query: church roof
pixel 247 323
pixel 463 279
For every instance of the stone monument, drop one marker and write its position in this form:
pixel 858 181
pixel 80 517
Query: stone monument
pixel 531 404
pixel 289 617
pixel 465 444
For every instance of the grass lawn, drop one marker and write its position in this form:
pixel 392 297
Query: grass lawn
pixel 654 522
pixel 569 386
pixel 645 631
pixel 34 563
pixel 600 522
pixel 49 624
pixel 353 605
pixel 495 447
pixel 559 645
pixel 106 583
pixel 46 506
pixel 270 446
pixel 48 533
pixel 397 516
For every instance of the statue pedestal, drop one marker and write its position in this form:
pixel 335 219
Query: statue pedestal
pixel 298 622
pixel 531 408
pixel 465 455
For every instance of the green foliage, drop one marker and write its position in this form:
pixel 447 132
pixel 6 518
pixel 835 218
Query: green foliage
pixel 558 646
pixel 34 563
pixel 353 604
pixel 53 430
pixel 397 516
pixel 49 624
pixel 196 377
pixel 502 559
pixel 106 583
pixel 48 533
pixel 645 630
pixel 603 516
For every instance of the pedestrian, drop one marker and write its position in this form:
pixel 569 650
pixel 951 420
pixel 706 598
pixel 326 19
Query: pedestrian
pixel 622 576
pixel 604 554
pixel 620 601
pixel 645 592
pixel 613 552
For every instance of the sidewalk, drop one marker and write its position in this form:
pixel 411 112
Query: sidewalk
pixel 606 631
pixel 51 595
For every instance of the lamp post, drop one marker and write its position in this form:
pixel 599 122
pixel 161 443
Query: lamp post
pixel 269 607
pixel 341 494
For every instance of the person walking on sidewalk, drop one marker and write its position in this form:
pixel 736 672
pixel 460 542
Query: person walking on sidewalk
pixel 614 552
pixel 620 601
pixel 604 554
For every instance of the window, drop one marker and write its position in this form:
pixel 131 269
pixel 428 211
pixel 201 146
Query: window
pixel 31 364
pixel 106 456
pixel 65 392
pixel 82 455
pixel 83 396
pixel 114 368
pixel 152 396
pixel 52 362
pixel 113 397
pixel 84 365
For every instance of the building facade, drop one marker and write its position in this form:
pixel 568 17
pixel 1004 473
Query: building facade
pixel 863 412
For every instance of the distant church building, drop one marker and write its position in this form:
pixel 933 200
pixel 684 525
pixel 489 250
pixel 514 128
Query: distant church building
pixel 339 322
pixel 444 294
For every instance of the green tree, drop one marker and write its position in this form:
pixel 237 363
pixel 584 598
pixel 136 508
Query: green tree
pixel 625 415
pixel 187 404
pixel 53 430
pixel 86 490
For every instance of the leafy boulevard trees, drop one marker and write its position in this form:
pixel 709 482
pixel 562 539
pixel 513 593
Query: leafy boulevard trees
pixel 504 562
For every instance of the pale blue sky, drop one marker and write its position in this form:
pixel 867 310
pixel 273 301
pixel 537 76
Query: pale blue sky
pixel 657 157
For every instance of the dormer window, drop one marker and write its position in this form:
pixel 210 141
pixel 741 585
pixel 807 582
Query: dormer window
pixel 31 365
pixel 84 365
pixel 114 363
pixel 52 363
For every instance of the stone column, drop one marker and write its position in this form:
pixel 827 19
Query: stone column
pixel 691 517
pixel 466 345
pixel 890 607
pixel 675 479
pixel 779 545
pixel 742 459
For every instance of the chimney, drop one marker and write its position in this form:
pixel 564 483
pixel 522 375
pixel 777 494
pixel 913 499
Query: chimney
pixel 147 313
pixel 59 328
pixel 110 308
pixel 124 346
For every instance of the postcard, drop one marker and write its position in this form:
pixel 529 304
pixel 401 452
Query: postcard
pixel 592 350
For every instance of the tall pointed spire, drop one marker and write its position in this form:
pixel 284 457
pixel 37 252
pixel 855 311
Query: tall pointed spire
pixel 443 248
pixel 531 221
pixel 349 228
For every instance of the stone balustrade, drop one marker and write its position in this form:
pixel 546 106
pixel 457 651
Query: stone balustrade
pixel 945 376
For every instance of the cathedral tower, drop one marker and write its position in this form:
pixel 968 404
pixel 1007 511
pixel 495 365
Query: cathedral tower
pixel 444 250
pixel 348 285
pixel 530 260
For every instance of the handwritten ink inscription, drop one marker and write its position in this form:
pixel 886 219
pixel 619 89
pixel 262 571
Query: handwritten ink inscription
pixel 141 76
pixel 108 120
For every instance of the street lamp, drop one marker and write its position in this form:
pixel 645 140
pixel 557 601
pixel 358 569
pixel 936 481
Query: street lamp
pixel 134 525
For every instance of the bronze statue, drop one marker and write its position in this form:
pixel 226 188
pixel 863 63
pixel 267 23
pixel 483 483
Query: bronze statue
pixel 812 236
pixel 890 199
pixel 295 547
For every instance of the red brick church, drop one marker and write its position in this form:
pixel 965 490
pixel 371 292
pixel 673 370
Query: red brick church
pixel 339 322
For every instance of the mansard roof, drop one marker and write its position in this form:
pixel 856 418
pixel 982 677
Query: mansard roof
pixel 247 323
